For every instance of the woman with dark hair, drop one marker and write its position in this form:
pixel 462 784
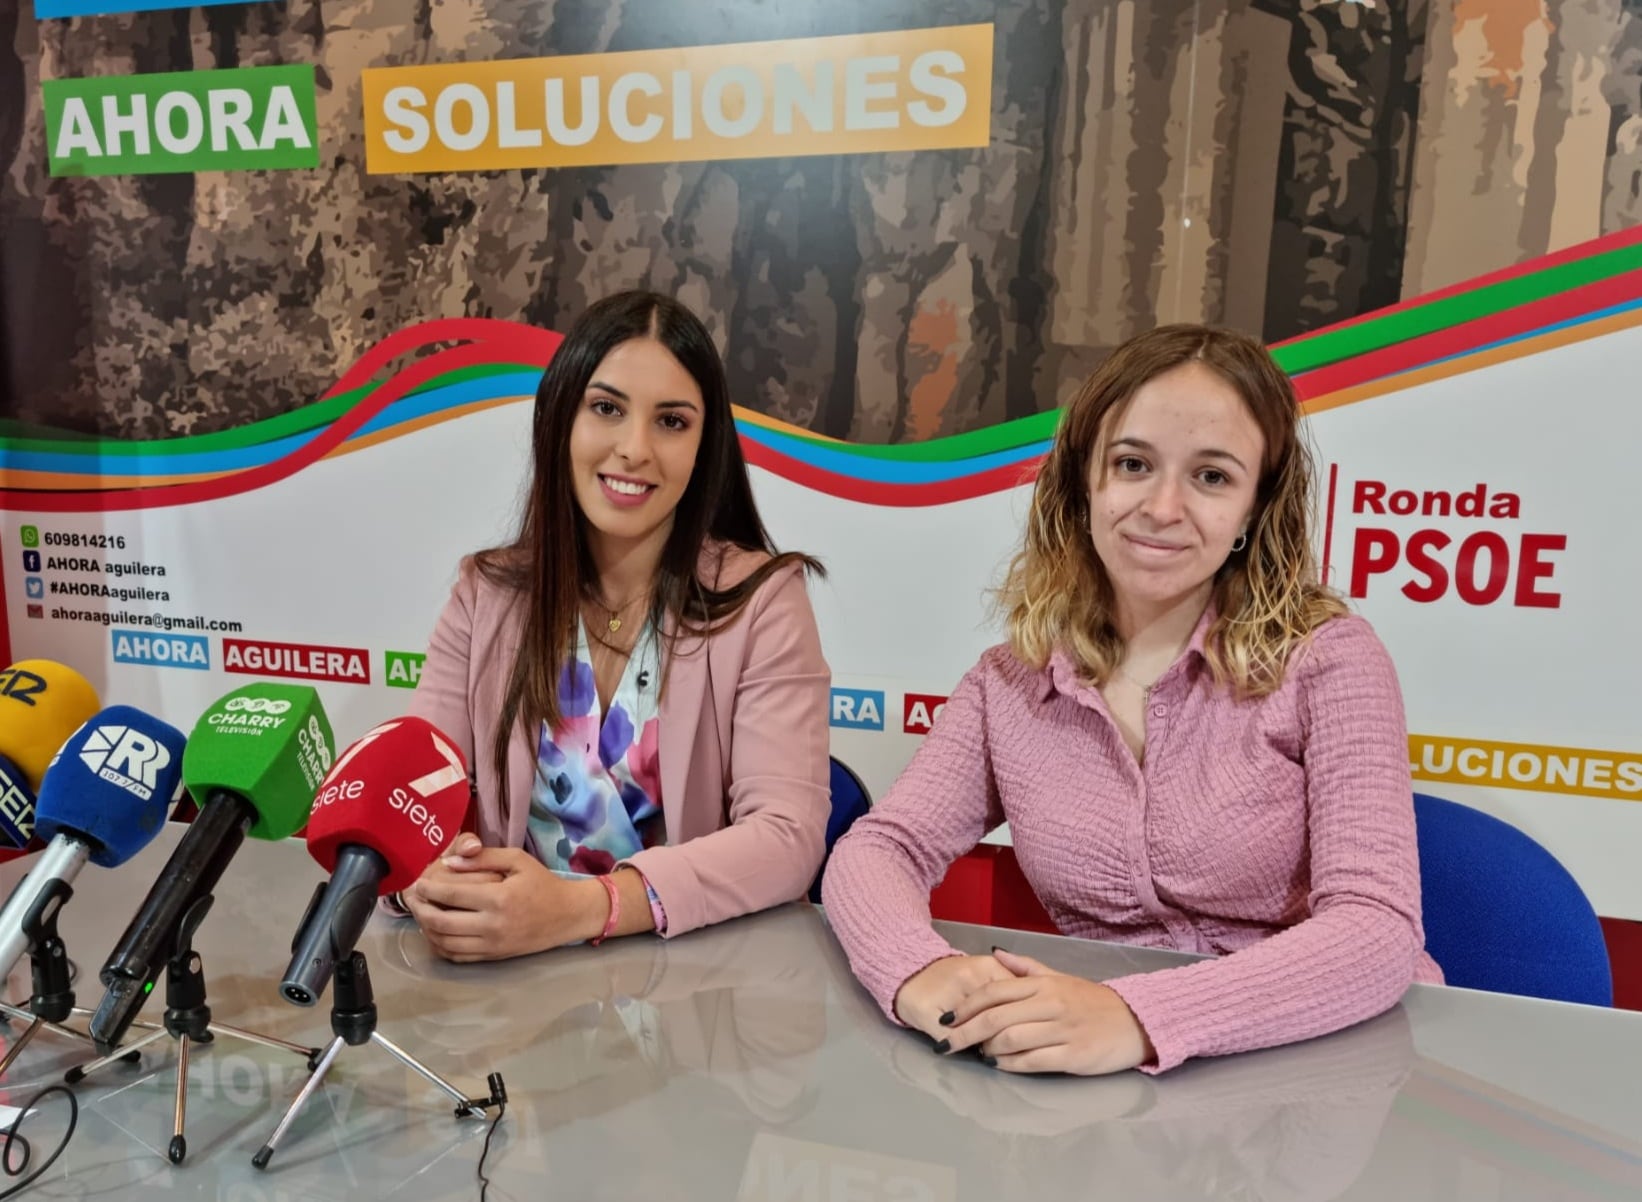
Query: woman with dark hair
pixel 1195 745
pixel 637 678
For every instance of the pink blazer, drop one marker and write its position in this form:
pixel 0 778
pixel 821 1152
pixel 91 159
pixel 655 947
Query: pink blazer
pixel 743 741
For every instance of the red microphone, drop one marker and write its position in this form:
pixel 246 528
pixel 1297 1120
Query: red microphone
pixel 390 804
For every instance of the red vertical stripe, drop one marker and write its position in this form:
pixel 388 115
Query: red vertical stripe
pixel 1624 940
pixel 1328 519
pixel 5 630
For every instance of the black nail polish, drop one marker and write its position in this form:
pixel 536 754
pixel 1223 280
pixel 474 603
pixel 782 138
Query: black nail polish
pixel 943 1047
pixel 948 1019
pixel 989 1061
pixel 996 948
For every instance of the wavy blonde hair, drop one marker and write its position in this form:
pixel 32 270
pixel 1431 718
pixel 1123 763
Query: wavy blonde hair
pixel 1268 596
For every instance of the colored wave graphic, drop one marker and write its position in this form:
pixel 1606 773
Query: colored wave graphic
pixel 469 364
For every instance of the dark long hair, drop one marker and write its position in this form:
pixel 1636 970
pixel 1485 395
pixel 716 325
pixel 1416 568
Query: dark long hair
pixel 549 565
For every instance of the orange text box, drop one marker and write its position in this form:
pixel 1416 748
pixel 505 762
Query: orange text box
pixel 915 89
pixel 1531 766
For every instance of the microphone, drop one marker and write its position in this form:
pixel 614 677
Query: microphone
pixel 390 805
pixel 41 704
pixel 104 798
pixel 16 809
pixel 252 764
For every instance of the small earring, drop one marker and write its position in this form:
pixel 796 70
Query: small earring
pixel 1241 541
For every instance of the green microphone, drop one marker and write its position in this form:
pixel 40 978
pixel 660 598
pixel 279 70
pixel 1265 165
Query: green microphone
pixel 253 764
pixel 261 750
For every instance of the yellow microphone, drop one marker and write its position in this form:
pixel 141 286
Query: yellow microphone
pixel 41 704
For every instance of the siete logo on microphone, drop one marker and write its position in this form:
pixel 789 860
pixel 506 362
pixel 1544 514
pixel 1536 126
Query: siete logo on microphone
pixel 407 797
pixel 299 661
pixel 127 758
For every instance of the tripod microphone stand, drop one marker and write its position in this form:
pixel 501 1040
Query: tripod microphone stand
pixel 52 1002
pixel 188 1021
pixel 353 1022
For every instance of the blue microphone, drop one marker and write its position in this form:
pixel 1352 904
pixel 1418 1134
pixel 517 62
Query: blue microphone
pixel 16 808
pixel 103 799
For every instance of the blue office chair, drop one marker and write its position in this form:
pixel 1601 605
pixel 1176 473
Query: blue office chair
pixel 1501 913
pixel 850 800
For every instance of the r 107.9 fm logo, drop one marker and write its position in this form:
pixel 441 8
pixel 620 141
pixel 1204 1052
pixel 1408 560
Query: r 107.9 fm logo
pixel 1468 542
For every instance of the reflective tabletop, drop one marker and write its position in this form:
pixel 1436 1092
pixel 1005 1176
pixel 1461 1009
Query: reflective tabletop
pixel 742 1062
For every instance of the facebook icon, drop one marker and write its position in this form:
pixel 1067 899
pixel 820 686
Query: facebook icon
pixel 35 587
pixel 31 561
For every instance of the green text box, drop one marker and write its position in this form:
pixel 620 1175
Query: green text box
pixel 250 118
pixel 402 669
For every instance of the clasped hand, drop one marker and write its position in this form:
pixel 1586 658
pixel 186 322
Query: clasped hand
pixel 1023 1015
pixel 479 903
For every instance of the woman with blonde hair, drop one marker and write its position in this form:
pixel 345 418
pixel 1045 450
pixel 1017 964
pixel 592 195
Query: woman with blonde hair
pixel 1195 745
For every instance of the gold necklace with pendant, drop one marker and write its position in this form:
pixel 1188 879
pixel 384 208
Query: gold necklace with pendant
pixel 613 621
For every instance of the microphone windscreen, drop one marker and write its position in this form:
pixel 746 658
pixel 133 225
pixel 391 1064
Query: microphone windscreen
pixel 268 743
pixel 41 703
pixel 16 809
pixel 112 784
pixel 401 790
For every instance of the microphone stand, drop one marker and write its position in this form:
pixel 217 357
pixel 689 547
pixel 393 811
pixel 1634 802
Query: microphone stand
pixel 353 1022
pixel 188 1021
pixel 52 1002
